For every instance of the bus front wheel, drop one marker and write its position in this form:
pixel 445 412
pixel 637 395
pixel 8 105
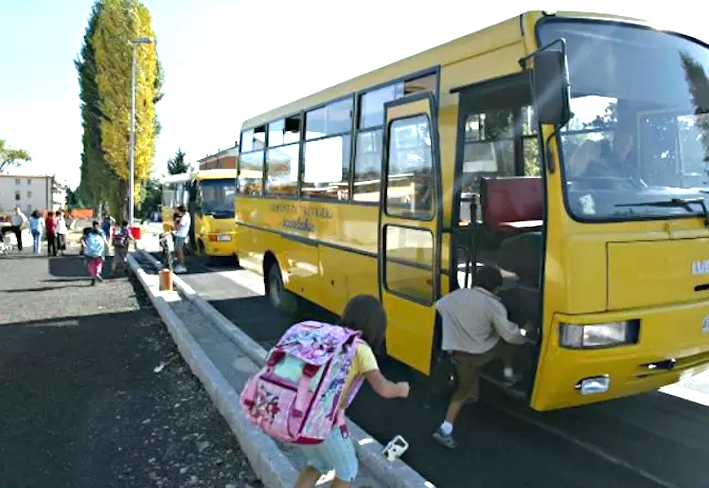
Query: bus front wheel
pixel 281 299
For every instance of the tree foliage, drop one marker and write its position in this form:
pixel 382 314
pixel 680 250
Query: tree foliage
pixel 98 181
pixel 104 68
pixel 151 198
pixel 177 165
pixel 10 157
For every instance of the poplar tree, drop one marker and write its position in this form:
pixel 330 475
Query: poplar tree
pixel 104 69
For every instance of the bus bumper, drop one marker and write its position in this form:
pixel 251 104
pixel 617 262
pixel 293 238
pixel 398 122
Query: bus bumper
pixel 672 345
pixel 220 244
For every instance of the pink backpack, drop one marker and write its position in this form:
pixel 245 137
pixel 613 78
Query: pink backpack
pixel 295 396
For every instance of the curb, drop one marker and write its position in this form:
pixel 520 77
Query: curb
pixel 272 467
pixel 395 474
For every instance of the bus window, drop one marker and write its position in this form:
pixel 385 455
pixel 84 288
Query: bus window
pixel 410 183
pixel 368 166
pixel 530 142
pixel 488 147
pixel 422 84
pixel 326 159
pixel 250 175
pixel 217 198
pixel 276 131
pixel 282 170
pixel 282 158
pixel 326 168
pixel 253 139
pixel 368 150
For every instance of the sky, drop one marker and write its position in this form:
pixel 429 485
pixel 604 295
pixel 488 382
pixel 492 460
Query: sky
pixel 228 60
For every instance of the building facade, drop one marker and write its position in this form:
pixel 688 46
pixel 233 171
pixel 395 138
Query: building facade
pixel 31 192
pixel 225 159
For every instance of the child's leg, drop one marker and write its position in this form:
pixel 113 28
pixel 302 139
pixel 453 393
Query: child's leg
pixel 337 454
pixel 307 478
pixel 468 371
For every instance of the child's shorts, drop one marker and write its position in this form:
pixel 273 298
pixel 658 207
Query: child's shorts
pixel 336 453
pixel 179 242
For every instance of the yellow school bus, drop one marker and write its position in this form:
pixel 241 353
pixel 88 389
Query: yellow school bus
pixel 209 197
pixel 567 149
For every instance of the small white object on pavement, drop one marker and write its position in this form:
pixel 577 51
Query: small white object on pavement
pixel 396 447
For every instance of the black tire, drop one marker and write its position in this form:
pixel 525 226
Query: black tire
pixel 280 298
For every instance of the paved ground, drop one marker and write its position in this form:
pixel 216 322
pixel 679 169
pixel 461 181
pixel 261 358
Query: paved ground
pixel 651 440
pixel 81 404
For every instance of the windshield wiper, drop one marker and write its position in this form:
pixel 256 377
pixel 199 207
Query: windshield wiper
pixel 685 203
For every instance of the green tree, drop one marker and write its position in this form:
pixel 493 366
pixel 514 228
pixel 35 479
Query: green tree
pixel 72 198
pixel 10 157
pixel 98 180
pixel 119 22
pixel 177 164
pixel 151 198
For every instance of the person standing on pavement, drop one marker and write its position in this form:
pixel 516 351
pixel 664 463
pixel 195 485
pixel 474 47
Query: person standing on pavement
pixel 476 330
pixel 106 224
pixel 17 221
pixel 181 233
pixel 50 230
pixel 61 231
pixel 121 243
pixel 337 453
pixel 37 230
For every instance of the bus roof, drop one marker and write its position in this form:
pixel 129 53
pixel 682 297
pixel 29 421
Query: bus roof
pixel 215 174
pixel 484 40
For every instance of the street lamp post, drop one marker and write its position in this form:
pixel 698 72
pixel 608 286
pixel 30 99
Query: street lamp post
pixel 131 203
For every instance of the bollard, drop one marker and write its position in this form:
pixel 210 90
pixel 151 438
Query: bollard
pixel 165 280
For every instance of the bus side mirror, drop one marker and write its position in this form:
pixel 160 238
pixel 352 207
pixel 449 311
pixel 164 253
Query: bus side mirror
pixel 550 88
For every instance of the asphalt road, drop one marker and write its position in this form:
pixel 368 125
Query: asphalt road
pixel 80 402
pixel 651 440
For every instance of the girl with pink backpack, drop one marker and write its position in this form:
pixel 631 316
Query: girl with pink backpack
pixel 311 376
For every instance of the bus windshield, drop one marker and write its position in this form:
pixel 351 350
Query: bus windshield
pixel 637 146
pixel 218 198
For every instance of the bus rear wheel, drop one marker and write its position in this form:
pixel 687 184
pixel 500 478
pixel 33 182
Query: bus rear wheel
pixel 281 299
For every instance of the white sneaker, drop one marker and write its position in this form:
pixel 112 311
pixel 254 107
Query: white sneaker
pixel 180 269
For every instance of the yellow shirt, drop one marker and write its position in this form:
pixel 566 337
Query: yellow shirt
pixel 364 362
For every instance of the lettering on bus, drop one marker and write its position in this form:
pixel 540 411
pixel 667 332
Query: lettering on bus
pixel 302 225
pixel 302 212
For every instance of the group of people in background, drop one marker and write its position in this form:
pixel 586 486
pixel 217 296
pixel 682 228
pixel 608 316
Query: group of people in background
pixel 53 225
pixel 95 241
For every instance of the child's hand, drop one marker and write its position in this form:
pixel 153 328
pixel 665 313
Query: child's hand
pixel 403 387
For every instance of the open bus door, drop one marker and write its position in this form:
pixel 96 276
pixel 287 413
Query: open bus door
pixel 409 229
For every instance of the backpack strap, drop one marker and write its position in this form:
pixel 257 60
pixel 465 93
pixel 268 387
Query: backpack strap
pixel 301 395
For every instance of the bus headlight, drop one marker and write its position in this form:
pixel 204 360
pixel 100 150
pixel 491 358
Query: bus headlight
pixel 609 334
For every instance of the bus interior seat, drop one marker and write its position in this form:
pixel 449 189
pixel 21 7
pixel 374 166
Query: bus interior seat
pixel 521 254
pixel 512 204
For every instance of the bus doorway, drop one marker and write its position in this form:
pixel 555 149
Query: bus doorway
pixel 499 207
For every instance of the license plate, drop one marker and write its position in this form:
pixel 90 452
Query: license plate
pixel 224 238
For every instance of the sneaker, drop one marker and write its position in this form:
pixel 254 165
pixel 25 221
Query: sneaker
pixel 511 379
pixel 180 269
pixel 446 440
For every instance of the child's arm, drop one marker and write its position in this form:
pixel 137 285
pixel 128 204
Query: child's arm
pixel 385 388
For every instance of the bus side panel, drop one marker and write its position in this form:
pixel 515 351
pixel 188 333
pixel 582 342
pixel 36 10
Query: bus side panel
pixel 335 265
pixel 299 265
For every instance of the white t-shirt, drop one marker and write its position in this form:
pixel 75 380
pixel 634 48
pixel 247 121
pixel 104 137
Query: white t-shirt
pixel 61 226
pixel 183 229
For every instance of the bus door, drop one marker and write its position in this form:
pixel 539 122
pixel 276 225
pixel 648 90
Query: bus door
pixel 409 229
pixel 194 207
